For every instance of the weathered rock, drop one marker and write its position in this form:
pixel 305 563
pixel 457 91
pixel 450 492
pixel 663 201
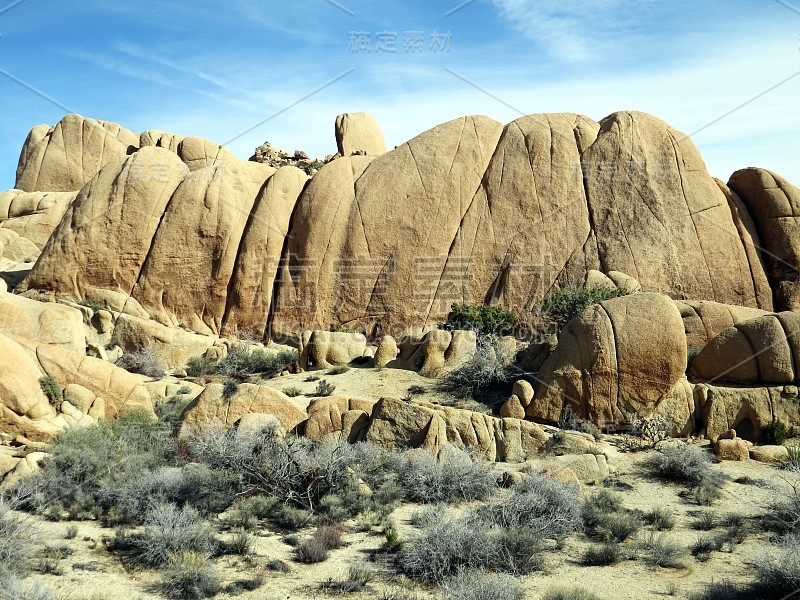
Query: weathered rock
pixel 160 139
pixel 396 424
pixel 33 215
pixel 25 467
pixel 98 250
pixel 770 454
pixel 359 132
pixel 338 418
pixel 324 349
pixel 765 349
pixel 210 409
pixel 625 282
pixel 659 217
pixel 524 391
pixel 616 361
pixel 734 450
pixel 387 352
pixel 44 322
pixel 512 408
pixel 703 320
pixel 747 410
pixel 16 248
pixel 775 207
pixel 587 468
pixel 63 158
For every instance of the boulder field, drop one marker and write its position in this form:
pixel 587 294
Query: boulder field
pixel 113 241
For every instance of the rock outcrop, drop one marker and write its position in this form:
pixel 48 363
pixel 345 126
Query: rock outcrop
pixel 397 425
pixel 765 349
pixel 63 158
pixel 33 215
pixel 616 361
pixel 470 211
pixel 359 133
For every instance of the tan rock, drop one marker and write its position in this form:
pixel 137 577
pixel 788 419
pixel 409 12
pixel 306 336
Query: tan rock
pixel 359 132
pixel 210 409
pixel 337 417
pixel 387 352
pixel 659 217
pixel 25 467
pixel 396 424
pixel 33 215
pixel 624 282
pixel 254 423
pixel 160 139
pixel 324 349
pixel 761 350
pixel 616 361
pixel 595 278
pixel 512 408
pixel 732 450
pixel 774 205
pixel 80 397
pixel 524 391
pixel 769 454
pixel 44 322
pixel 703 320
pixel 66 156
pixel 124 203
pixel 587 468
pixel 746 409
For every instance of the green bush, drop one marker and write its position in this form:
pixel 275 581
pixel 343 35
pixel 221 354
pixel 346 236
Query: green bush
pixel 483 320
pixel 324 388
pixel 293 391
pixel 775 433
pixel 562 306
pixel 659 551
pixel 600 555
pixel 52 390
pixel 358 576
pixel 690 465
pixel 229 388
pixel 659 519
pixel 198 366
pixel 242 362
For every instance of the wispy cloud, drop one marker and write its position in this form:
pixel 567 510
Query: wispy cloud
pixel 578 30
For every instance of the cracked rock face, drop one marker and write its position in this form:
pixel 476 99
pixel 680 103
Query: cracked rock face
pixel 470 211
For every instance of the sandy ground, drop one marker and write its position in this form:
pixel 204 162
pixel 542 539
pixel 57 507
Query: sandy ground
pixel 93 572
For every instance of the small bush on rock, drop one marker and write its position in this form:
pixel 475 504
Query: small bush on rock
pixel 483 320
pixel 242 362
pixel 52 390
pixel 563 305
pixel 198 366
pixel 488 370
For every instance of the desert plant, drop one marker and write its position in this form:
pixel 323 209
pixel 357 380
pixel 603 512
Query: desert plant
pixel 198 366
pixel 659 551
pixel 189 574
pixel 659 519
pixel 488 369
pixel 479 585
pixel 779 569
pixel 170 531
pixel 569 593
pixel 724 590
pixel 14 588
pixel 324 388
pixel 144 360
pixel 483 320
pixel 312 551
pixel 794 457
pixel 52 390
pixel 85 461
pixel 243 361
pixel 71 532
pixel 704 546
pixel 690 465
pixel 16 542
pixel 775 433
pixel 455 476
pixel 292 391
pixel 229 388
pixel 358 576
pixel 617 527
pixel 561 306
pixel 599 555
pixel 338 370
pixel 705 521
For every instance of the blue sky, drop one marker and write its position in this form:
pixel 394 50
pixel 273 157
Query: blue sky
pixel 217 69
